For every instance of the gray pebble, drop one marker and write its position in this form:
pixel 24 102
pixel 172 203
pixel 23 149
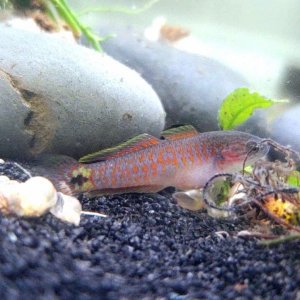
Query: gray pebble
pixel 191 87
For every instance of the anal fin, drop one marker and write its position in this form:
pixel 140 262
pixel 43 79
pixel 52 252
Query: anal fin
pixel 123 190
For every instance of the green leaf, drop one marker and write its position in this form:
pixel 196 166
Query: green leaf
pixel 294 179
pixel 248 169
pixel 238 106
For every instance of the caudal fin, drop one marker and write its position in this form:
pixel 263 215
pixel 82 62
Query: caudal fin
pixel 57 169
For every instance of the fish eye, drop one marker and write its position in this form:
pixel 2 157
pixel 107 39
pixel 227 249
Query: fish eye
pixel 252 147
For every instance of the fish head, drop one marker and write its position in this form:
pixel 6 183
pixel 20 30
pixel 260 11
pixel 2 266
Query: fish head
pixel 235 147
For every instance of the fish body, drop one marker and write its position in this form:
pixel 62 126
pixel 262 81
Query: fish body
pixel 184 159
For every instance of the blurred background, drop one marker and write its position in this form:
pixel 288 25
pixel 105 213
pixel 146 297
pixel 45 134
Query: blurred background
pixel 258 39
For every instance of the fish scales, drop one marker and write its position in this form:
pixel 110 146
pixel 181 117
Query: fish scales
pixel 152 166
pixel 139 168
pixel 184 160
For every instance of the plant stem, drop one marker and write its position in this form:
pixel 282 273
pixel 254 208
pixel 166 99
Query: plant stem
pixel 76 26
pixel 280 240
pixel 67 14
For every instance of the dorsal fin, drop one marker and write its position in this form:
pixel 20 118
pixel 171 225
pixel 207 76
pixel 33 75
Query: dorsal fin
pixel 180 132
pixel 137 143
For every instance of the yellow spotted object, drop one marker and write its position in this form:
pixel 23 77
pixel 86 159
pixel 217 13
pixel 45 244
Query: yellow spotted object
pixel 281 207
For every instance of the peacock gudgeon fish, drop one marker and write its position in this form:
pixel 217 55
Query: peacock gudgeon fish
pixel 183 158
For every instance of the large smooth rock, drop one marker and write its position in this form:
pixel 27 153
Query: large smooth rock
pixel 63 98
pixel 285 128
pixel 191 87
pixel 257 124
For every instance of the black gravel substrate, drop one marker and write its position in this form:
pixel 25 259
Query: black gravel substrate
pixel 148 248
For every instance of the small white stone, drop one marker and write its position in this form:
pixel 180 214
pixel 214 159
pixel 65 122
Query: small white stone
pixel 36 196
pixel 8 198
pixel 67 209
pixel 3 178
pixel 12 237
pixel 218 214
pixel 2 161
pixel 191 199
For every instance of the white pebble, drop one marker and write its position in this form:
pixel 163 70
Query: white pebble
pixel 190 199
pixel 37 195
pixel 67 209
pixel 8 199
pixel 3 178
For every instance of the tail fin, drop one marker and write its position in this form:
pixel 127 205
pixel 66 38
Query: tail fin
pixel 57 169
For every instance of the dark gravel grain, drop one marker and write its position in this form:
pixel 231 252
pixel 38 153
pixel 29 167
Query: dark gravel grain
pixel 148 248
